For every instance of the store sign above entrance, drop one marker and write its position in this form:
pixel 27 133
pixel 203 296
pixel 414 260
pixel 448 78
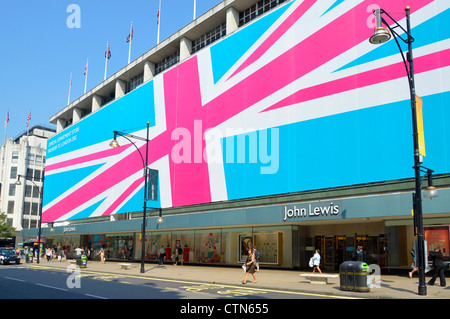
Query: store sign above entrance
pixel 313 210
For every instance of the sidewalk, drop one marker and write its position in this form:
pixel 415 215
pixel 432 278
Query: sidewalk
pixel 392 286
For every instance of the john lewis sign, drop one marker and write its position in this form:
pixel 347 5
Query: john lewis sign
pixel 313 210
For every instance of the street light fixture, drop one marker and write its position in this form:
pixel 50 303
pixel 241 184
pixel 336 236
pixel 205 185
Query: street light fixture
pixel 160 219
pixel 382 35
pixel 41 191
pixel 115 144
pixel 430 192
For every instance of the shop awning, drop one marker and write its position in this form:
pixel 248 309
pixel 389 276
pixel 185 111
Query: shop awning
pixel 34 241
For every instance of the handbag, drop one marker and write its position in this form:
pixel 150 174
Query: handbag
pixel 311 262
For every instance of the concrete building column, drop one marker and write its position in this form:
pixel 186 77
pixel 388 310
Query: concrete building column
pixel 76 115
pixel 96 102
pixel 149 71
pixel 232 20
pixel 185 48
pixel 60 124
pixel 121 88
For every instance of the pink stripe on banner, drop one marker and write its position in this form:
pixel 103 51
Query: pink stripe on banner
pixel 285 25
pixel 387 73
pixel 117 173
pixel 190 179
pixel 124 196
pixel 84 159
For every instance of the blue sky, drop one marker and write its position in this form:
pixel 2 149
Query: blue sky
pixel 39 50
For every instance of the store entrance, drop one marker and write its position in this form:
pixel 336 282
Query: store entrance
pixel 334 250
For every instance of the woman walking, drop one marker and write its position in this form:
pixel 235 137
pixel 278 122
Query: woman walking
pixel 316 262
pixel 102 256
pixel 250 266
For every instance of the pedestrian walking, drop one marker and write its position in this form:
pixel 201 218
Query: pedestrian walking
pixel 359 254
pixel 102 256
pixel 179 257
pixel 79 251
pixel 413 264
pixel 257 255
pixel 49 254
pixel 162 254
pixel 250 267
pixel 438 267
pixel 316 261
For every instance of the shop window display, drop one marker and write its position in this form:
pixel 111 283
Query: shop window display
pixel 209 247
pixel 268 244
pixel 186 242
pixel 158 241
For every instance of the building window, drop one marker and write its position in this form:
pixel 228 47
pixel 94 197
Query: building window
pixel 37 175
pixel 28 189
pixel 12 190
pixel 30 158
pixel 209 37
pixel 34 209
pixel 257 9
pixel 25 223
pixel 167 62
pixel 136 81
pixel 10 210
pixel 29 173
pixel 13 174
pixel 26 208
pixel 15 157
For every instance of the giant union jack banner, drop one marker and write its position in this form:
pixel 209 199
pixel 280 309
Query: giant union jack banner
pixel 297 100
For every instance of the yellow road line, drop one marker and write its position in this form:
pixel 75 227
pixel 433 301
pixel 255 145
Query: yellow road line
pixel 98 275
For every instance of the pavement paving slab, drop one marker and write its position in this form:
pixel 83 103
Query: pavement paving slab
pixel 390 286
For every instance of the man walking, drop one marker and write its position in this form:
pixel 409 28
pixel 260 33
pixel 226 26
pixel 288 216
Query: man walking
pixel 438 267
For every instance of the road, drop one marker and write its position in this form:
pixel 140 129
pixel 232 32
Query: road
pixel 19 282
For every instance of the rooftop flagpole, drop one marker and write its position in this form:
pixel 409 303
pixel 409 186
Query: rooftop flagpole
pixel 195 7
pixel 158 21
pixel 70 86
pixel 6 123
pixel 129 38
pixel 86 75
pixel 107 57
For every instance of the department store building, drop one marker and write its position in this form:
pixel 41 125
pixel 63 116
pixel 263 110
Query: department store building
pixel 268 127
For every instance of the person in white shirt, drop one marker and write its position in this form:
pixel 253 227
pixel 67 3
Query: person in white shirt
pixel 316 262
pixel 79 251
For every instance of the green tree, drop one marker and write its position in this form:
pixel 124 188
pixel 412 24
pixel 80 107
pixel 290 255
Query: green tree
pixel 5 230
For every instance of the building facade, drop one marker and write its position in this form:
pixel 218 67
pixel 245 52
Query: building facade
pixel 269 127
pixel 23 156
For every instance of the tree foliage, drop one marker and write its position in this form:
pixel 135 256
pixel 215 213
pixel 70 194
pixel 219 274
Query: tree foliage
pixel 6 231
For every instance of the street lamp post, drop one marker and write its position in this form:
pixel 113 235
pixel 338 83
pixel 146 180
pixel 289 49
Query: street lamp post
pixel 114 143
pixel 381 35
pixel 41 194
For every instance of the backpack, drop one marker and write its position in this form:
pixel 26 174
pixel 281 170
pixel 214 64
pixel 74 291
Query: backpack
pixel 257 255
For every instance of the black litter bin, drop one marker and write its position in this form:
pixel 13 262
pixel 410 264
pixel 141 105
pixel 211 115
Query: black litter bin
pixel 82 261
pixel 354 276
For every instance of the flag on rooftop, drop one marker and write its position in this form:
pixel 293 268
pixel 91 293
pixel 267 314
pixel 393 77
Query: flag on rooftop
pixel 7 119
pixel 130 36
pixel 28 119
pixel 108 52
